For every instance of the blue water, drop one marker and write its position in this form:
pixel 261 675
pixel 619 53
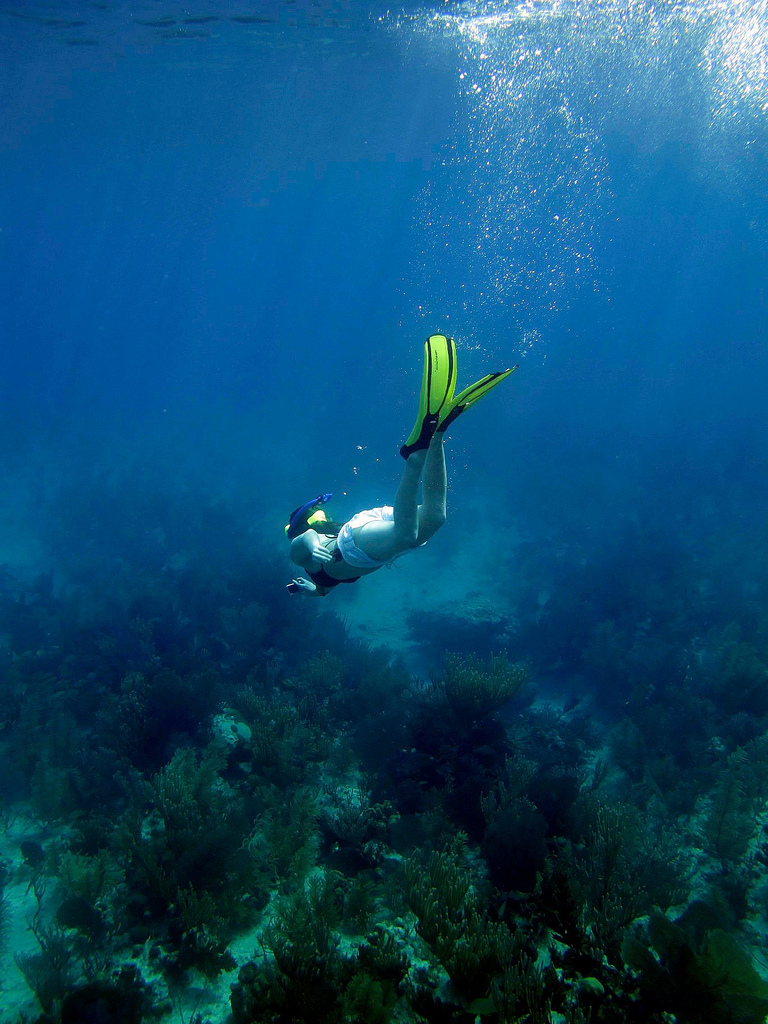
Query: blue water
pixel 225 232
pixel 236 234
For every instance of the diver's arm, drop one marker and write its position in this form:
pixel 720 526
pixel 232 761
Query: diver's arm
pixel 302 586
pixel 320 554
pixel 311 555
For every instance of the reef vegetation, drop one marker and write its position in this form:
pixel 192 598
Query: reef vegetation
pixel 217 801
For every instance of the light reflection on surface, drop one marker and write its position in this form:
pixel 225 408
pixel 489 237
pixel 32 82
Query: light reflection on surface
pixel 737 55
pixel 540 87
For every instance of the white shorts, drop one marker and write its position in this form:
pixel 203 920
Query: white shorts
pixel 350 552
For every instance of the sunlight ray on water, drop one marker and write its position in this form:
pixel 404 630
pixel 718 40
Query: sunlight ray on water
pixel 737 57
pixel 522 202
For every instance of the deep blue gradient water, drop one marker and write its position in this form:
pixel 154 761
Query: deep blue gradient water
pixel 226 232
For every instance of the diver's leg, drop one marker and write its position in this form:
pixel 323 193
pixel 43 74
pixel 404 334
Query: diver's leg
pixel 383 541
pixel 434 485
pixel 406 507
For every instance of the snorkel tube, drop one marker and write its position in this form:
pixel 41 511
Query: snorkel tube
pixel 297 523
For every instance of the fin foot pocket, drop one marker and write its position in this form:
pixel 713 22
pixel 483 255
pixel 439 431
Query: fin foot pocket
pixel 437 386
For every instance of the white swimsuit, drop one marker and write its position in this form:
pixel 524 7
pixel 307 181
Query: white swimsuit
pixel 350 552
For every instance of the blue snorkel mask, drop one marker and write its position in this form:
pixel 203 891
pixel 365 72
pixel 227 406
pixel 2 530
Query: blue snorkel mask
pixel 301 518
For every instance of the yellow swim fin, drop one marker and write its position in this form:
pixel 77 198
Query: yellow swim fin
pixel 437 385
pixel 469 396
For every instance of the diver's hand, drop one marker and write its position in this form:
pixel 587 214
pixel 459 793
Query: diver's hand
pixel 320 556
pixel 301 586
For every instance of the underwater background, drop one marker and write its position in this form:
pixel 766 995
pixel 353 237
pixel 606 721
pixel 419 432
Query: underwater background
pixel 522 776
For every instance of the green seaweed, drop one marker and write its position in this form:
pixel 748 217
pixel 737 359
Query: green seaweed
pixel 624 865
pixel 472 949
pixel 474 690
pixel 702 976
pixel 303 981
pixel 189 859
pixel 51 971
pixel 368 1001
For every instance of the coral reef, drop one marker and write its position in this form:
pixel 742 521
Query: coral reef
pixel 223 794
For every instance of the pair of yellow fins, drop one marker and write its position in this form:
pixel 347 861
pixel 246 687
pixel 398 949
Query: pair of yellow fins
pixel 438 406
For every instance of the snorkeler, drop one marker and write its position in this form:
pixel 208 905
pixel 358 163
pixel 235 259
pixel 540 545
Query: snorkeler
pixel 334 553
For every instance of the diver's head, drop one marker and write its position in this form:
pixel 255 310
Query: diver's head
pixel 307 517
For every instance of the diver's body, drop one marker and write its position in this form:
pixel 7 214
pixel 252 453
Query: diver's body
pixel 381 539
pixel 333 554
